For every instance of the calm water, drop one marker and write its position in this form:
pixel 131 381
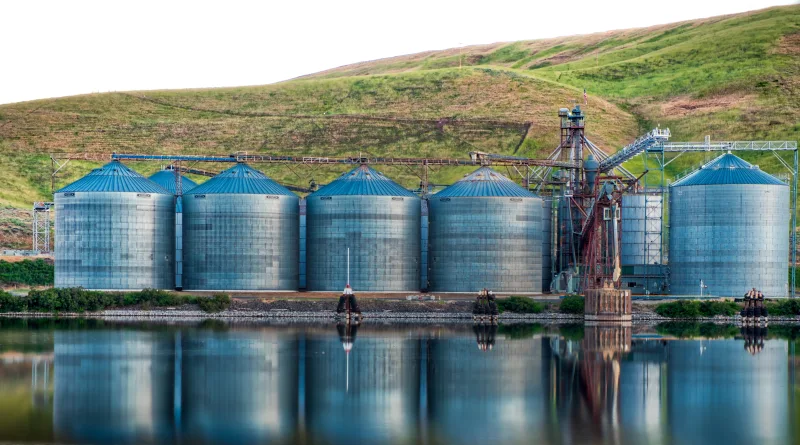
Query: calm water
pixel 115 383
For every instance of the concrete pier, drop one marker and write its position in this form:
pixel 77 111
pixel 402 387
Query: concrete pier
pixel 607 304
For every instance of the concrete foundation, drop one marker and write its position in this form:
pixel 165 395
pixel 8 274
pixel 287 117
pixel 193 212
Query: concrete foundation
pixel 608 304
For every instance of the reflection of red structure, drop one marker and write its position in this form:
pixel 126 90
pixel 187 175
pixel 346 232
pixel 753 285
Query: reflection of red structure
pixel 603 348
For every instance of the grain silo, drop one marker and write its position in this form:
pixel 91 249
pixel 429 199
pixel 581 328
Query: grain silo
pixel 423 243
pixel 547 244
pixel 485 231
pixel 303 231
pixel 241 232
pixel 377 219
pixel 641 244
pixel 239 387
pixel 168 180
pixel 729 229
pixel 114 386
pixel 115 229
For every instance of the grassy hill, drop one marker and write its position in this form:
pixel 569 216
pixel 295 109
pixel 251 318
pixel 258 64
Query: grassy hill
pixel 730 77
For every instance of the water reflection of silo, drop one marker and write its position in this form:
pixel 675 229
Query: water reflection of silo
pixel 113 387
pixel 370 397
pixel 643 392
pixel 238 387
pixel 497 396
pixel 719 393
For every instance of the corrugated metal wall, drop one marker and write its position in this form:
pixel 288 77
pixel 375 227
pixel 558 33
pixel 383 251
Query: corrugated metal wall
pixel 303 249
pixel 424 230
pixel 485 242
pixel 547 244
pixel 168 181
pixel 382 233
pixel 241 242
pixel 733 237
pixel 115 240
pixel 641 229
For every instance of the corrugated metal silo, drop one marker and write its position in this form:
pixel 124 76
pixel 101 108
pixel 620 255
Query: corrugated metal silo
pixel 303 250
pixel 729 227
pixel 239 387
pixel 485 232
pixel 377 219
pixel 547 244
pixel 241 232
pixel 423 243
pixel 114 387
pixel 641 229
pixel 168 181
pixel 115 229
pixel 641 243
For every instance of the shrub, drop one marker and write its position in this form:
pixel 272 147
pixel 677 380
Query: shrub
pixel 11 303
pixel 217 303
pixel 571 304
pixel 156 297
pixel 80 300
pixel 712 308
pixel 679 309
pixel 785 308
pixel 27 272
pixel 519 305
pixel 43 300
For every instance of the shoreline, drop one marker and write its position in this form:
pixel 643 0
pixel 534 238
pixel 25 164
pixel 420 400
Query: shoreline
pixel 386 316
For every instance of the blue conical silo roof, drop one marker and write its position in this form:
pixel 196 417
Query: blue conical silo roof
pixel 243 180
pixel 728 169
pixel 166 179
pixel 114 177
pixel 363 180
pixel 485 182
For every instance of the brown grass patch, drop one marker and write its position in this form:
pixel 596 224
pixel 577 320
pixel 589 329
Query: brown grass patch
pixel 789 45
pixel 687 106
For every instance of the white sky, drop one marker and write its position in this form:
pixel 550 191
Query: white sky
pixel 61 48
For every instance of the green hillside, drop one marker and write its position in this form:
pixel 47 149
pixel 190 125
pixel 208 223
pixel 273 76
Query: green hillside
pixel 730 77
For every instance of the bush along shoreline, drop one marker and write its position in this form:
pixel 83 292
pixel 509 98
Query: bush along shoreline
pixel 78 300
pixel 27 273
pixel 779 310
